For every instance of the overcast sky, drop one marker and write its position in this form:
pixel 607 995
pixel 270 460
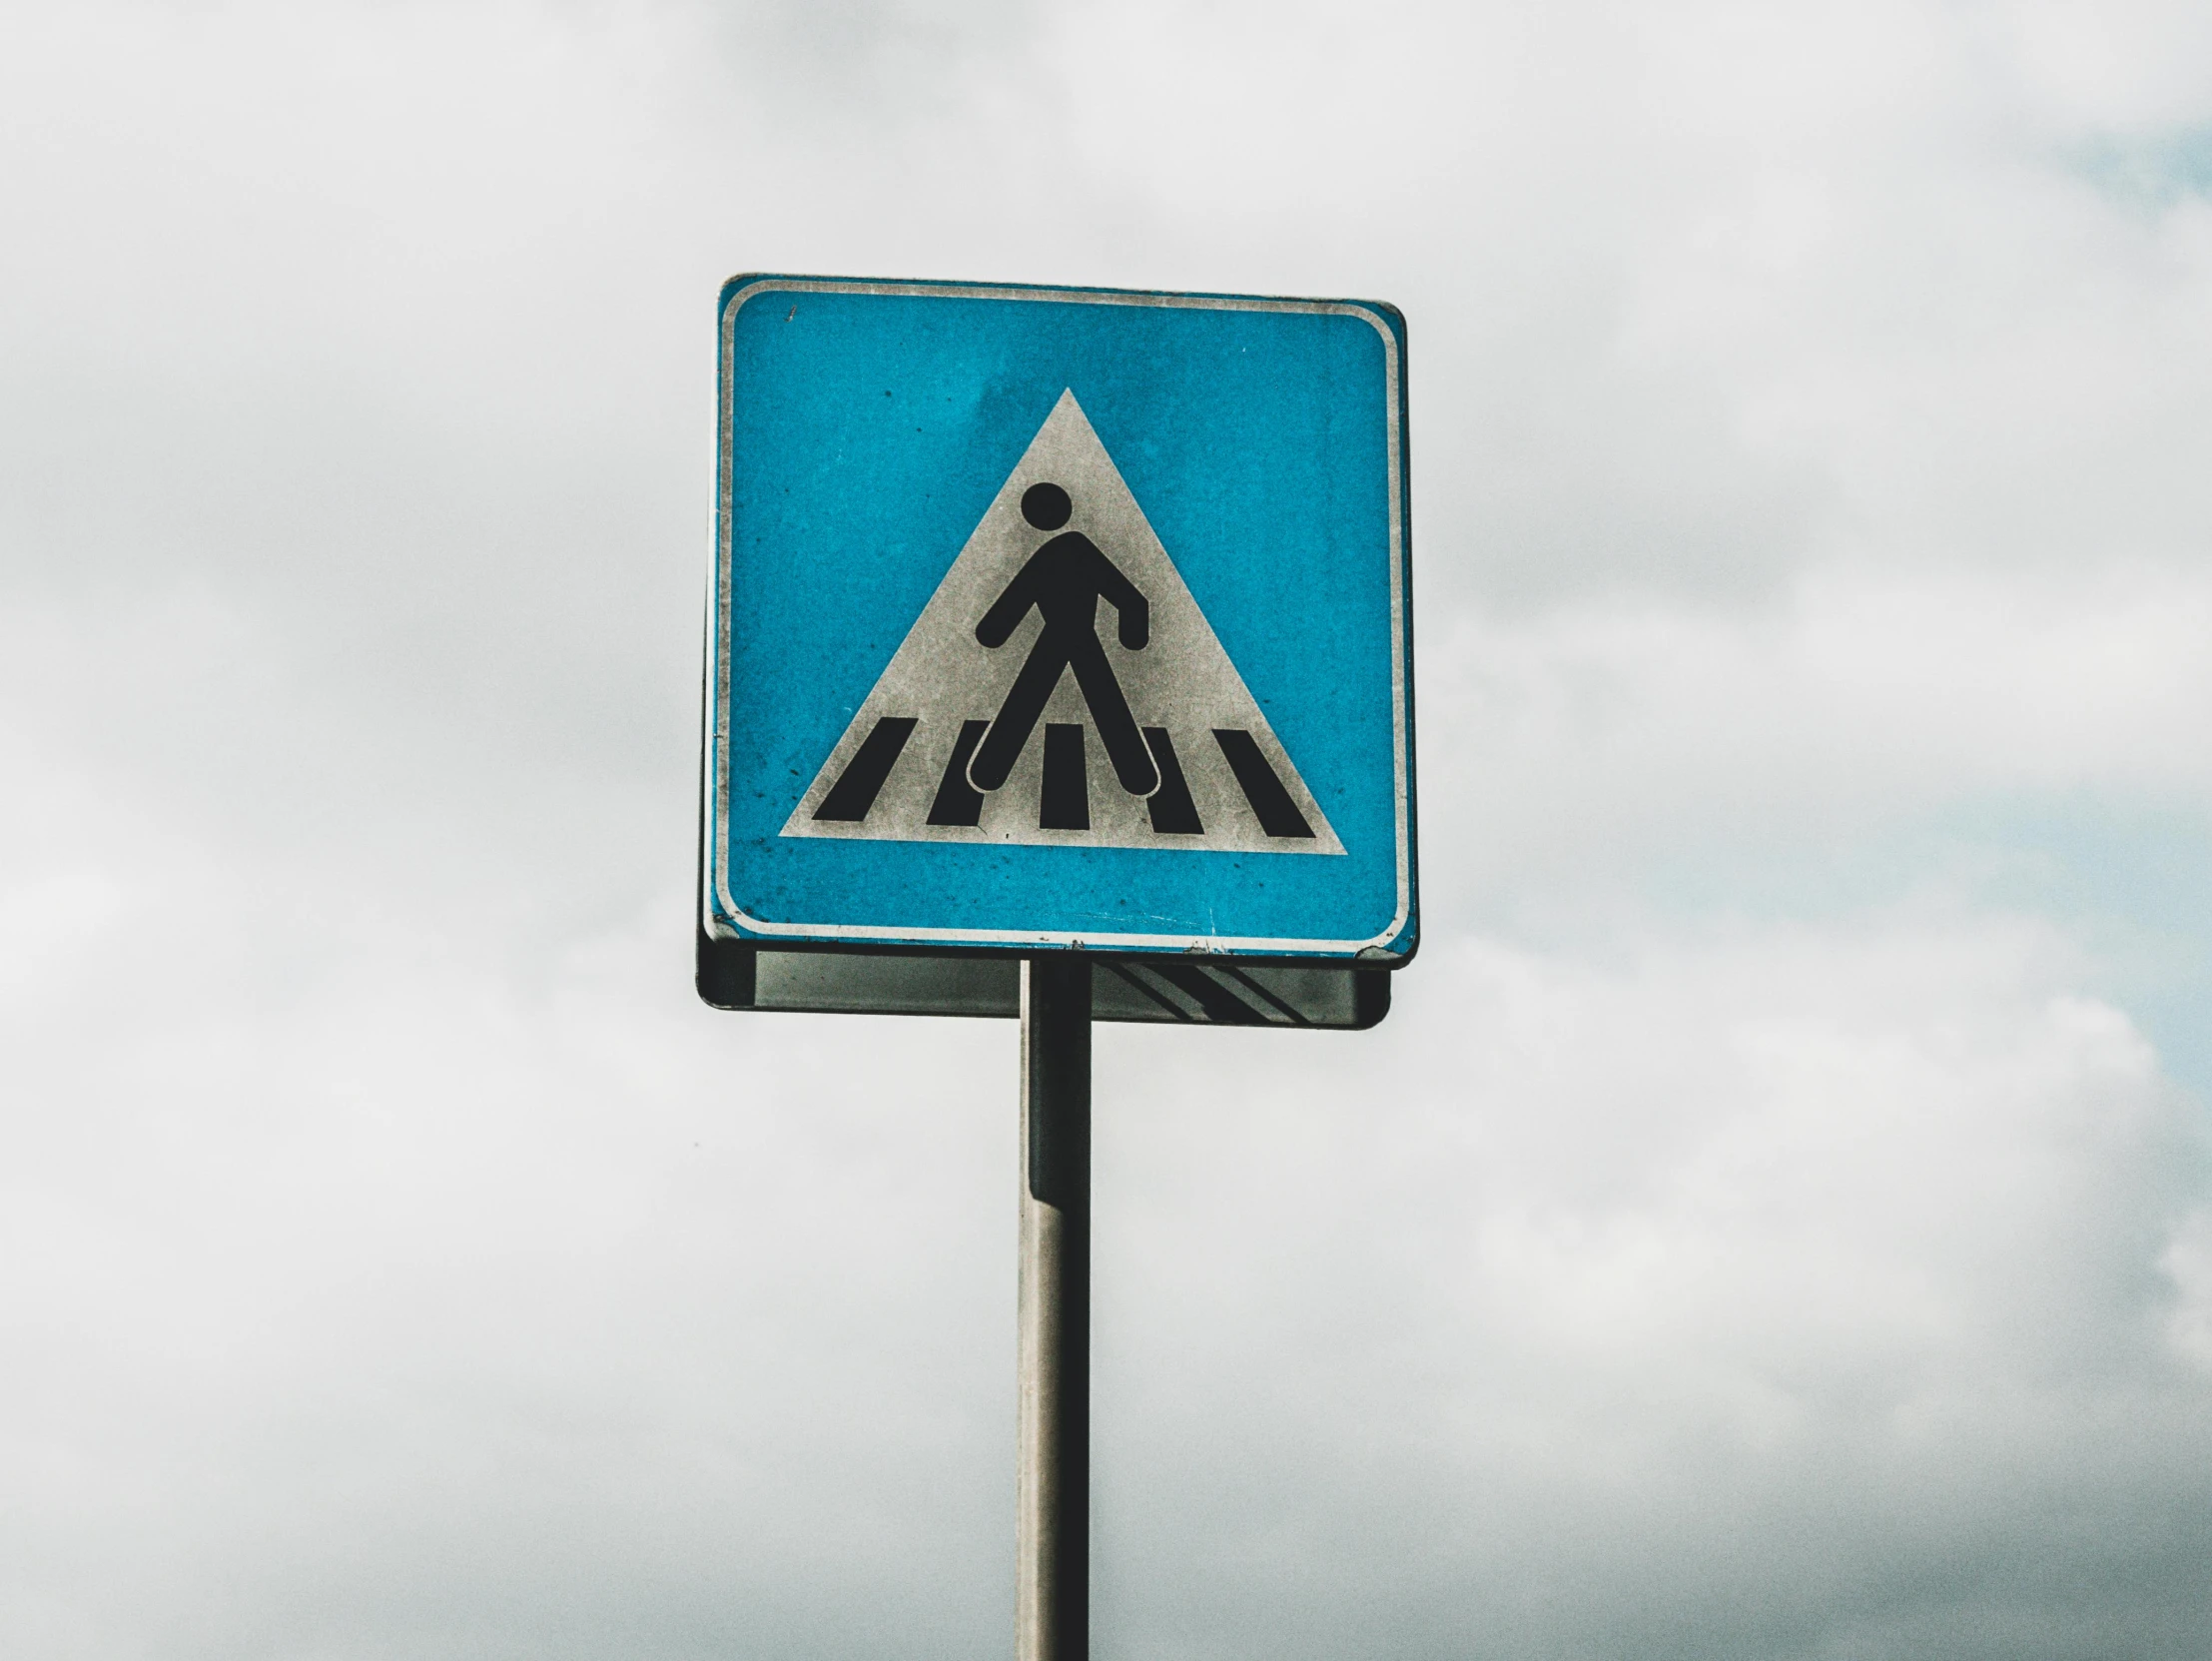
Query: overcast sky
pixel 1775 1222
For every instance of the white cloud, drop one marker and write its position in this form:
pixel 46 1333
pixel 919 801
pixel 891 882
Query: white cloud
pixel 2188 1263
pixel 1591 743
pixel 1845 1231
pixel 1808 449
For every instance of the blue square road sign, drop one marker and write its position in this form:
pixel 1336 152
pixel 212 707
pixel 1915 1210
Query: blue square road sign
pixel 1060 618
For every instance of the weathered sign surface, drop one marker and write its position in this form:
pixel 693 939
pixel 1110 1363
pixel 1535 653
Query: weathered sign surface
pixel 1056 618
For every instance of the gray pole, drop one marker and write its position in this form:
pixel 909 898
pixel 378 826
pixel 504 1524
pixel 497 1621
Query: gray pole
pixel 1052 1526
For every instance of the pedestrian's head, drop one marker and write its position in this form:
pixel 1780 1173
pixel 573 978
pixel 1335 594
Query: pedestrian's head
pixel 1045 506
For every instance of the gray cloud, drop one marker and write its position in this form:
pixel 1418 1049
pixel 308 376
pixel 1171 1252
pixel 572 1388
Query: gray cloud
pixel 1771 1224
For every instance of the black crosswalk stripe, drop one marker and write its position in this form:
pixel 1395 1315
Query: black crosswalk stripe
pixel 1279 814
pixel 858 786
pixel 959 802
pixel 1065 800
pixel 1172 811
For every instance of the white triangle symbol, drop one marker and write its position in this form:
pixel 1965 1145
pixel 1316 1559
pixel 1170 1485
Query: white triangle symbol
pixel 1192 764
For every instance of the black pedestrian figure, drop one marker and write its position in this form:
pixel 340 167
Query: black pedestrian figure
pixel 1065 580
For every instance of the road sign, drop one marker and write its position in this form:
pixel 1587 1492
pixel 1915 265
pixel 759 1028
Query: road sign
pixel 1059 618
pixel 1061 664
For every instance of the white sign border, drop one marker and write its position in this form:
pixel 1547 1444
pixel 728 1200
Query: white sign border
pixel 716 759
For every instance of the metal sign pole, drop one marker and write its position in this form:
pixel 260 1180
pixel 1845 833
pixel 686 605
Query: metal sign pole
pixel 1243 875
pixel 1052 1528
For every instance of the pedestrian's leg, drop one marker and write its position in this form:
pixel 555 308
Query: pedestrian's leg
pixel 1017 719
pixel 1125 745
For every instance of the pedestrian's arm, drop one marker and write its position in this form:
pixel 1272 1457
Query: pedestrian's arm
pixel 1009 609
pixel 1121 594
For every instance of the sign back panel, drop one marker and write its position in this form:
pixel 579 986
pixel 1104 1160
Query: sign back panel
pixel 1061 617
